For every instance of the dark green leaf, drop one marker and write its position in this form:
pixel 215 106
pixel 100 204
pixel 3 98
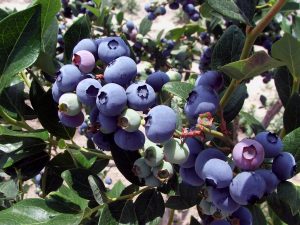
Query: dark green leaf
pixel 282 210
pixel 247 9
pixel 175 33
pixel 46 109
pixel 159 36
pixel 120 17
pixel 283 82
pixel 47 63
pixel 50 38
pixel 98 190
pixel 229 9
pixel 275 219
pixel 257 215
pixel 77 179
pixel 95 11
pixel 145 26
pixel 291 115
pixel 287 49
pixel 21 47
pixel 3 14
pixel 51 178
pixel 290 194
pixel 130 189
pixel 255 125
pixel 179 89
pixel 291 144
pixel 228 48
pixel 80 29
pixel 256 64
pixel 149 205
pixel 34 134
pixel 84 161
pixel 235 103
pixel 116 190
pixel 176 202
pixel 36 211
pixel 290 6
pixel 192 28
pixel 194 221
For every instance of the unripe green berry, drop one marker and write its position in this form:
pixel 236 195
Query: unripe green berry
pixel 175 151
pixel 164 171
pixel 174 75
pixel 69 104
pixel 154 155
pixel 141 169
pixel 152 181
pixel 129 120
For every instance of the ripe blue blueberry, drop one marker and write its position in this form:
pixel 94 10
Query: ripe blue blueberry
pixel 102 141
pixel 87 45
pixel 213 79
pixel 108 180
pixel 160 124
pixel 243 215
pixel 111 99
pixel 84 60
pixel 270 179
pixel 120 71
pixel 71 121
pixel 56 93
pixel 247 187
pixel 111 48
pixel 140 96
pixel 130 141
pixel 284 166
pixel 220 222
pixel 190 177
pixel 87 91
pixel 157 80
pixel 130 25
pixel 68 77
pixel 108 124
pixel 222 200
pixel 271 142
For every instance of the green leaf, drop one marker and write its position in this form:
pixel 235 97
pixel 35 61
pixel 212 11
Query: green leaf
pixel 229 9
pixel 290 194
pixel 257 215
pixel 77 179
pixel 228 48
pixel 275 219
pixel 235 103
pixel 120 17
pixel 179 89
pixel 47 63
pixel 159 36
pixel 46 109
pixel 255 125
pixel 175 33
pixel 35 134
pixel 291 144
pixel 116 190
pixel 145 26
pixel 258 63
pixel 291 115
pixel 283 82
pixel 282 210
pixel 3 14
pixel 149 205
pixel 37 212
pixel 97 190
pixel 83 161
pixel 49 38
pixel 20 42
pixel 247 9
pixel 79 30
pixel 287 49
pixel 95 11
pixel 9 188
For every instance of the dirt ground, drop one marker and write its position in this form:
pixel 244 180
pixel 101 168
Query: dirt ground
pixel 255 87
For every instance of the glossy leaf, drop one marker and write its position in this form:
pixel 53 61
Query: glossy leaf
pixel 255 125
pixel 257 215
pixel 283 82
pixel 291 115
pixel 287 49
pixel 291 144
pixel 9 188
pixel 44 135
pixel 98 190
pixel 145 26
pixel 116 190
pixel 179 89
pixel 258 63
pixel 21 48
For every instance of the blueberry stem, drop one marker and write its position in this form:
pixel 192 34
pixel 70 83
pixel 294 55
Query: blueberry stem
pixel 252 34
pixel 171 217
pixel 130 196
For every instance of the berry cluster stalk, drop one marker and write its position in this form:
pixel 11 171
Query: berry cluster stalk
pixel 251 35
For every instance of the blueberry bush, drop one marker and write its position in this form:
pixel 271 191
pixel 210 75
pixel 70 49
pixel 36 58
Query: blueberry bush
pixel 81 69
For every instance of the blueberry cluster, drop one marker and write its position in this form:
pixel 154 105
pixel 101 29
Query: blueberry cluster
pixel 167 46
pixel 205 59
pixel 130 30
pixel 155 9
pixel 73 9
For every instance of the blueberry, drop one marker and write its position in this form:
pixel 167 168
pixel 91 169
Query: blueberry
pixel 153 155
pixel 207 208
pixel 141 96
pixel 88 45
pixel 201 100
pixel 243 215
pixel 131 141
pixel 222 200
pixel 87 91
pixel 176 152
pixel 284 166
pixel 94 115
pixel 102 141
pixel 129 120
pixel 84 60
pixel 189 8
pixel 247 187
pixel 111 99
pixel 195 16
pixel 111 48
pixel 157 80
pixel 151 16
pixel 152 181
pixel 213 79
pixel 248 154
pixel 160 124
pixel 56 93
pixel 141 169
pixel 271 142
pixel 204 156
pixel 108 180
pixel 220 222
pixel 270 179
pixel 69 104
pixel 164 171
pixel 130 25
pixel 217 173
pixel 190 177
pixel 68 77
pixel 120 71
pixel 71 121
pixel 174 5
pixel 174 75
pixel 108 124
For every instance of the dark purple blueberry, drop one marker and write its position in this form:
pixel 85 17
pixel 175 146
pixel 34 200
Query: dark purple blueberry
pixel 71 121
pixel 271 142
pixel 190 177
pixel 87 91
pixel 88 45
pixel 68 77
pixel 130 141
pixel 213 79
pixel 157 80
pixel 284 166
